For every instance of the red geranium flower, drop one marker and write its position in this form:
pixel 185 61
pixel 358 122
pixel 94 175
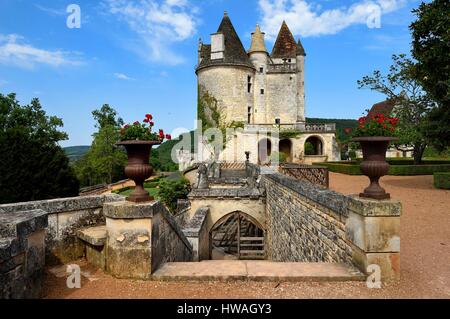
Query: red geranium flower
pixel 151 123
pixel 146 120
pixel 168 136
pixel 149 116
pixel 136 123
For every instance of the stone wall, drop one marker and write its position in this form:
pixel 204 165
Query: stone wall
pixel 305 223
pixel 223 201
pixel 196 231
pixel 310 224
pixel 65 217
pixel 228 84
pixel 22 253
pixel 141 237
pixel 168 241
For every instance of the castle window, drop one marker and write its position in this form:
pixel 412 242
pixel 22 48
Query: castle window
pixel 249 115
pixel 261 70
pixel 249 84
pixel 277 121
pixel 289 60
pixel 262 91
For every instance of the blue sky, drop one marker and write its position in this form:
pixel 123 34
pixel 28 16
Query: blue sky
pixel 139 56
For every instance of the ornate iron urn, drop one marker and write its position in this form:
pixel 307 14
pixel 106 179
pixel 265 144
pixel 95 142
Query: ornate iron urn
pixel 374 163
pixel 138 168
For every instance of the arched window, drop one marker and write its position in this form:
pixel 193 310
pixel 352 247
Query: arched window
pixel 313 146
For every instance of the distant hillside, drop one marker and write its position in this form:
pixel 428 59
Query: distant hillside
pixel 76 152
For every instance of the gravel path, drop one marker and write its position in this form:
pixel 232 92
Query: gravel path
pixel 425 258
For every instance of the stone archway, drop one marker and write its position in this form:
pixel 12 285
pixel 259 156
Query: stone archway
pixel 264 151
pixel 313 146
pixel 285 147
pixel 237 236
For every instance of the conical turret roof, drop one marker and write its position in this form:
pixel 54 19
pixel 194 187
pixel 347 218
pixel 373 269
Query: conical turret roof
pixel 300 49
pixel 234 53
pixel 285 45
pixel 257 44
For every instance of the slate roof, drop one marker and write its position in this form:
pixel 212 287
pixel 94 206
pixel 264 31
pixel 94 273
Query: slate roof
pixel 285 45
pixel 234 54
pixel 300 49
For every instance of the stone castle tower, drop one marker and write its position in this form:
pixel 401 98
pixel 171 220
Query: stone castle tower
pixel 258 91
pixel 254 87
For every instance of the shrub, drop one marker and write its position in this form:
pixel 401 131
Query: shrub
pixel 172 190
pixel 442 180
pixel 352 154
pixel 425 169
pixel 278 156
pixel 344 168
pixel 309 149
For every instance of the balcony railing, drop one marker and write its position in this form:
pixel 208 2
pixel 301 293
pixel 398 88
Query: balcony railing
pixel 301 127
pixel 282 68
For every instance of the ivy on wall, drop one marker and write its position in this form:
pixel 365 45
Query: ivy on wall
pixel 289 133
pixel 212 115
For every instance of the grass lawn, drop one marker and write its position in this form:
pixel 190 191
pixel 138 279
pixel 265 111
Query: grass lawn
pixel 153 192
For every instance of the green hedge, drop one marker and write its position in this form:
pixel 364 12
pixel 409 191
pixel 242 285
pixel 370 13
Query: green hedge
pixel 442 180
pixel 404 169
pixel 349 169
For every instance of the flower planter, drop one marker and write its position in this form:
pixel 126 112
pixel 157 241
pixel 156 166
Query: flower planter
pixel 138 168
pixel 374 163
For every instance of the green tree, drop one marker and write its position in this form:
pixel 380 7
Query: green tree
pixel 412 103
pixel 172 190
pixel 32 164
pixel 104 162
pixel 431 49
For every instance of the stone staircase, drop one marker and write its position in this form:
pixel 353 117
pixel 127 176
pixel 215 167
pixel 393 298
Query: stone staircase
pixel 256 270
pixel 94 239
pixel 248 245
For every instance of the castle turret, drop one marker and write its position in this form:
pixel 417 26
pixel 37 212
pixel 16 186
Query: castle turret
pixel 226 73
pixel 284 99
pixel 301 54
pixel 259 57
pixel 257 44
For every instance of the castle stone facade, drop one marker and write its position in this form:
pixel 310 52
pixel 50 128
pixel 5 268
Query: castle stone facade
pixel 259 92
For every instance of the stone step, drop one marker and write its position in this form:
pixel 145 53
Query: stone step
pixel 96 236
pixel 257 270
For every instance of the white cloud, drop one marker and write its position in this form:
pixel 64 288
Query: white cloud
pixel 123 76
pixel 51 11
pixel 157 25
pixel 307 19
pixel 15 51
